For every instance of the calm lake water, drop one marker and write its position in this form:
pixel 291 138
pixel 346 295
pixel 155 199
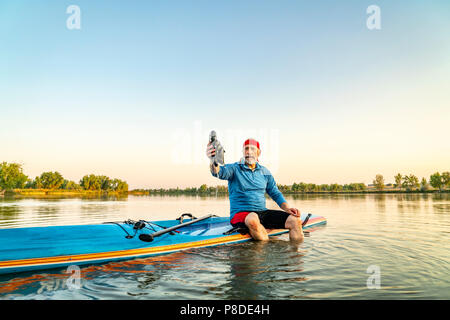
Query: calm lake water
pixel 400 240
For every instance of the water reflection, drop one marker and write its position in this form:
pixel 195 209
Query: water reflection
pixel 408 202
pixel 9 212
pixel 441 207
pixel 380 202
pixel 405 234
pixel 256 269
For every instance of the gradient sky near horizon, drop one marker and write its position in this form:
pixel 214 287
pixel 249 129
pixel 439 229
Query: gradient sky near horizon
pixel 134 93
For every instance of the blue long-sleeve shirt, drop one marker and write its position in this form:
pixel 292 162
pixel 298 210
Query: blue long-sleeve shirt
pixel 247 188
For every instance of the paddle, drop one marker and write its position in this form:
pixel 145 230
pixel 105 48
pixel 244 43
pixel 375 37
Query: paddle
pixel 149 237
pixel 306 219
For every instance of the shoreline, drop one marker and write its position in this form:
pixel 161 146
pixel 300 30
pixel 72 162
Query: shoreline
pixel 94 193
pixel 59 192
pixel 213 192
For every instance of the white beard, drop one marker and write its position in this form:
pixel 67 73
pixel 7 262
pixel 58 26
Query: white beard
pixel 249 161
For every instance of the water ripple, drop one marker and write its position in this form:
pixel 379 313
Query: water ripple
pixel 405 237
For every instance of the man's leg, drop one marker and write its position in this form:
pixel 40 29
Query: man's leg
pixel 294 224
pixel 257 231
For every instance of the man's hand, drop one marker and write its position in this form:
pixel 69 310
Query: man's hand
pixel 292 211
pixel 210 151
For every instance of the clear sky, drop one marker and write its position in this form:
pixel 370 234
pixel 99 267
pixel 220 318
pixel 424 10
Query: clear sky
pixel 134 93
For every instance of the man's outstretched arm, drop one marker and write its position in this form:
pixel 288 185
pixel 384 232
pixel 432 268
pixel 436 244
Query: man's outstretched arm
pixel 224 172
pixel 273 191
pixel 210 153
pixel 293 211
pixel 214 169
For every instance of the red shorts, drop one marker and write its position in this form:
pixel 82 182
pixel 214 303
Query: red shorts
pixel 239 217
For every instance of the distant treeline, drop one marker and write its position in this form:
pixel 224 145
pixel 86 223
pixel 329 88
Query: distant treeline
pixel 408 183
pixel 12 177
pixel 411 182
pixel 202 190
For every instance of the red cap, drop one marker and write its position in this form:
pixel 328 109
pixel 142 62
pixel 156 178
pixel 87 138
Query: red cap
pixel 252 142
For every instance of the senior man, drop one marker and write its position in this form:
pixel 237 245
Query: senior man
pixel 248 181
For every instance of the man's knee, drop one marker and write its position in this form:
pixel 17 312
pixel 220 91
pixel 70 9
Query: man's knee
pixel 252 220
pixel 293 222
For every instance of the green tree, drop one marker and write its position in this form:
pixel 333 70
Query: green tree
pixel 284 188
pixel 398 180
pixel 299 187
pixel 29 184
pixel 12 176
pixel 64 184
pixel 203 188
pixel 379 182
pixel 37 183
pixel 335 187
pixel 192 190
pixel 436 181
pixel 302 187
pixel 446 179
pixel 410 182
pixel 424 186
pixel 119 185
pixel 72 185
pixel 90 182
pixel 105 183
pixel 51 180
pixel 355 187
